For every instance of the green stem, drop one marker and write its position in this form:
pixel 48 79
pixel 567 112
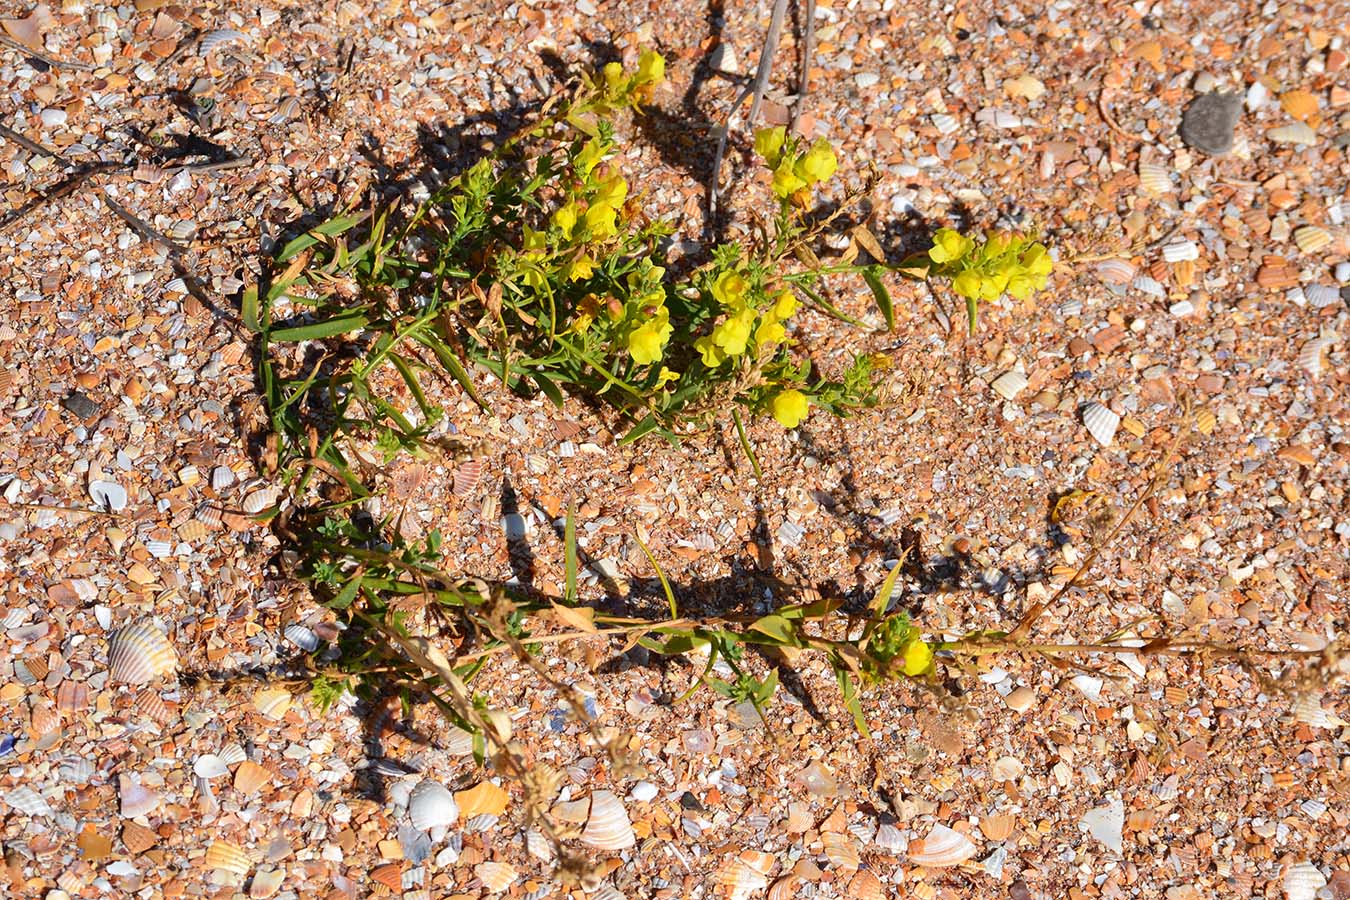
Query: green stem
pixel 745 444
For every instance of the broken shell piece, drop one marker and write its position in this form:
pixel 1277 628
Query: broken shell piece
pixel 1155 179
pixel 139 653
pixel 608 827
pixel 431 805
pixel 865 886
pixel 209 766
pixel 1308 709
pixel 1009 385
pixel 841 851
pixel 1310 238
pixel 28 801
pixel 459 742
pixel 136 799
pixel 1180 251
pixel 1116 271
pixel 232 754
pixel 739 879
pixel 942 847
pixel 1302 881
pixel 1310 357
pixel 1297 133
pixel 1101 423
pixel 259 500
pixel 496 877
pixel 226 856
pixel 273 703
pixel 250 777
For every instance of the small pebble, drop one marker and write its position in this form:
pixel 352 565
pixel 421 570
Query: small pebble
pixel 1209 122
pixel 79 404
pixel 1020 699
pixel 53 118
pixel 1343 272
pixel 866 79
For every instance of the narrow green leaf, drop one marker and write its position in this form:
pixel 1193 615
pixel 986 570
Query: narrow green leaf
pixel 665 585
pixel 872 275
pixel 883 597
pixel 345 596
pixel 745 444
pixel 327 328
pixel 640 430
pixel 452 365
pixel 780 629
pixel 570 554
pixel 549 388
pixel 248 309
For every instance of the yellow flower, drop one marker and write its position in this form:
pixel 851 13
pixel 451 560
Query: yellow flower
pixel 1037 261
pixel 712 354
pixel 769 144
pixel 819 162
pixel 729 288
pixel 992 285
pixel 967 284
pixel 769 332
pixel 949 245
pixel 613 73
pixel 785 182
pixel 784 306
pixel 789 408
pixel 918 658
pixel 566 218
pixel 647 341
pixel 587 310
pixel 534 240
pixel 589 157
pixel 665 376
pixel 651 68
pixel 580 267
pixel 733 333
pixel 611 191
pixel 600 220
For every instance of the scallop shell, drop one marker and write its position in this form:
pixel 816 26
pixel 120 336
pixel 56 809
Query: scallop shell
pixel 28 801
pixel 1101 423
pixel 302 637
pixel 1009 385
pixel 945 124
pixel 1155 179
pixel 104 20
pixel 1308 709
pixel 538 845
pixel 467 476
pixel 259 500
pixel 219 38
pixel 1302 881
pixel 1320 296
pixel 784 888
pixel 1180 251
pixel 458 742
pixel 1310 238
pixel 250 777
pixel 1310 357
pixel 739 879
pixel 232 754
pixel 865 886
pixel 608 827
pixel 841 850
pixel 431 805
pixel 227 857
pixel 496 877
pixel 210 766
pixel 1116 271
pixel 273 703
pixel 139 653
pixel 890 838
pixel 1149 285
pixel 997 828
pixel 942 847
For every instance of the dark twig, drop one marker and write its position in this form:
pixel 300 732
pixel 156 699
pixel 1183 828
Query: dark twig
pixel 808 52
pixel 757 88
pixel 30 145
pixel 38 54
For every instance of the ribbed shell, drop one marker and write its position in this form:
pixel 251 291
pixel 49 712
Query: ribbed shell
pixel 1308 709
pixel 302 637
pixel 250 777
pixel 1297 133
pixel 1310 238
pixel 608 827
pixel 1116 271
pixel 139 653
pixel 1180 251
pixel 215 39
pixel 227 857
pixel 739 879
pixel 1009 385
pixel 1302 881
pixel 1155 179
pixel 458 742
pixel 1310 357
pixel 496 876
pixel 28 801
pixel 431 805
pixel 273 703
pixel 1101 423
pixel 942 847
pixel 841 850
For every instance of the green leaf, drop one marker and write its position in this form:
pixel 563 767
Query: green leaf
pixel 570 554
pixel 640 430
pixel 883 597
pixel 665 585
pixel 345 596
pixel 872 275
pixel 777 627
pixel 549 388
pixel 451 364
pixel 326 328
pixel 848 689
pixel 248 309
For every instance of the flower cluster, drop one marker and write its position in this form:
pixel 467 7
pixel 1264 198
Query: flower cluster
pixel 895 645
pixel 1003 262
pixel 794 169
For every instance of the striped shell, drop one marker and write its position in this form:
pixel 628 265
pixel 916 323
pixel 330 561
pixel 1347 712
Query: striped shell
pixel 139 653
pixel 496 877
pixel 1320 296
pixel 1180 251
pixel 1310 238
pixel 260 500
pixel 1149 285
pixel 209 766
pixel 227 857
pixel 865 886
pixel 1101 423
pixel 945 124
pixel 219 38
pixel 997 828
pixel 1155 179
pixel 738 879
pixel 273 703
pixel 1310 357
pixel 458 742
pixel 232 754
pixel 302 637
pixel 1297 133
pixel 1302 881
pixel 250 777
pixel 784 888
pixel 268 881
pixel 1116 271
pixel 890 838
pixel 467 476
pixel 1308 709
pixel 608 827
pixel 841 850
pixel 431 805
pixel 538 845
pixel 28 801
pixel 942 847
pixel 1009 385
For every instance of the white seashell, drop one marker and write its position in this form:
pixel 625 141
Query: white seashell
pixel 28 801
pixel 1313 809
pixel 1180 251
pixel 210 766
pixel 496 877
pixel 1168 788
pixel 232 755
pixel 1311 238
pixel 266 883
pixel 890 838
pixel 1308 710
pixel 109 495
pixel 1009 385
pixel 227 857
pixel 105 20
pixel 216 39
pixel 943 847
pixel 738 879
pixel 159 549
pixel 1302 881
pixel 1116 271
pixel 459 742
pixel 1101 423
pixel 136 799
pixel 538 845
pixel 1149 286
pixel 139 653
pixel 945 124
pixel 222 477
pixel 608 827
pixel 302 637
pixel 1320 296
pixel 260 500
pixel 431 805
pixel 841 851
pixel 1297 133
pixel 273 703
pixel 1310 357
pixel 1155 179
pixel 1105 823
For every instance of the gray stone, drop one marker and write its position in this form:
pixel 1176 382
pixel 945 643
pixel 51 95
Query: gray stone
pixel 79 404
pixel 1209 122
